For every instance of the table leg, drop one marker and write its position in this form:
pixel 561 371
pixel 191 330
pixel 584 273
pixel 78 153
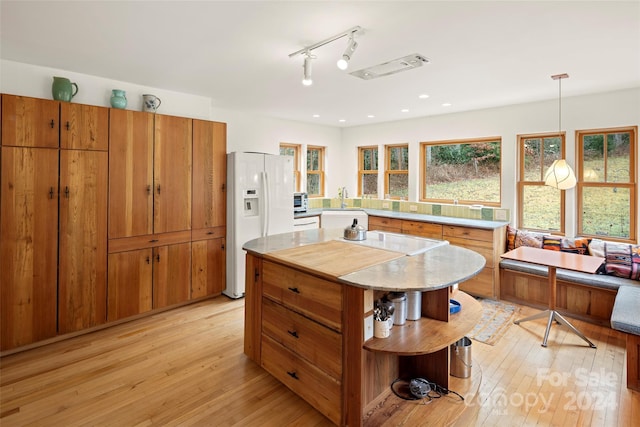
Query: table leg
pixel 551 314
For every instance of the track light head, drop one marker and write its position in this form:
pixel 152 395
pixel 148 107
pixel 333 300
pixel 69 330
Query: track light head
pixel 306 79
pixel 343 63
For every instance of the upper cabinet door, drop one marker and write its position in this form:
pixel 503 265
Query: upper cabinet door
pixel 84 127
pixel 30 122
pixel 172 174
pixel 209 174
pixel 130 173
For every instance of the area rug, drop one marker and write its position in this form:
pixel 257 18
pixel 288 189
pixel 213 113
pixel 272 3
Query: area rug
pixel 496 319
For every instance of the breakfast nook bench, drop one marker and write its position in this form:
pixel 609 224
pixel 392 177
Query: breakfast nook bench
pixel 625 319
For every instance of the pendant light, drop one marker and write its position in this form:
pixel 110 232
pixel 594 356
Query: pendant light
pixel 560 175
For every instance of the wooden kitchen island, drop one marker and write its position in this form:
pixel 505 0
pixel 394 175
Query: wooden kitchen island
pixel 308 322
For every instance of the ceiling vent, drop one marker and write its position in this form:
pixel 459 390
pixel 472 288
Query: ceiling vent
pixel 405 63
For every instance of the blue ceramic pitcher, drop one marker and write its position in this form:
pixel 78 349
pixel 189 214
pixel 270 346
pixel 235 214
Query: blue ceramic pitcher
pixel 62 89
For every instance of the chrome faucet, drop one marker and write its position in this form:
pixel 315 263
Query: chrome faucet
pixel 343 194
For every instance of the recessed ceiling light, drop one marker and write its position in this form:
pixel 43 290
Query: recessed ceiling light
pixel 342 120
pixel 404 110
pixel 446 104
pixel 371 116
pixel 316 115
pixel 423 96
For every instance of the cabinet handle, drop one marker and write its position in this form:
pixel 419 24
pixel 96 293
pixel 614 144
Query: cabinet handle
pixel 158 257
pixel 224 187
pixel 148 260
pixel 153 240
pixel 256 275
pixel 52 124
pixel 293 375
pixel 158 188
pixel 295 290
pixel 148 189
pixel 209 232
pixel 67 126
pixel 293 333
pixel 66 192
pixel 51 192
pixel 222 246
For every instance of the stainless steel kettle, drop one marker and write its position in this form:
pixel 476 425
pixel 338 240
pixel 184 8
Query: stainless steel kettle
pixel 355 231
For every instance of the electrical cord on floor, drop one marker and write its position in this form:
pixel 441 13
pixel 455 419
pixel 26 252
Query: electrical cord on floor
pixel 421 389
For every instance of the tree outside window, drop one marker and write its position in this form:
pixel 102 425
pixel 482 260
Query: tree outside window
pixel 396 183
pixel 315 171
pixel 607 186
pixel 540 207
pixel 461 171
pixel 368 171
pixel 293 150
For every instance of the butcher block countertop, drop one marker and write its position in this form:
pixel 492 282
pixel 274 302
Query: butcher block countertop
pixel 323 252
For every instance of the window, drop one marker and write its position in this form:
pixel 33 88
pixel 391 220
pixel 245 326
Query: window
pixel 607 186
pixel 396 174
pixel 540 207
pixel 463 171
pixel 315 171
pixel 368 171
pixel 293 150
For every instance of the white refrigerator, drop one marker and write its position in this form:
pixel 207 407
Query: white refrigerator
pixel 259 203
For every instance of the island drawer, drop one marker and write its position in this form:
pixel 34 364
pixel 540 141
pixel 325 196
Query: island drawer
pixel 424 229
pixel 319 389
pixel 321 346
pixel 311 296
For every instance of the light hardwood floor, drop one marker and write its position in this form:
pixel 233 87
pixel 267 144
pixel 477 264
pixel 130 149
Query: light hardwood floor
pixel 186 367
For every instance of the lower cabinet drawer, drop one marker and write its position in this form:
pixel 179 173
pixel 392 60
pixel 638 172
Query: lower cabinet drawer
pixel 319 345
pixel 423 229
pixel 319 389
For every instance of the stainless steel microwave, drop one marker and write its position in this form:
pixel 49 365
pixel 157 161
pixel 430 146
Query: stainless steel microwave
pixel 300 202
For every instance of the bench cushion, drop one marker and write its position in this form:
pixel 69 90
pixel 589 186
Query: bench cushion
pixel 596 280
pixel 625 310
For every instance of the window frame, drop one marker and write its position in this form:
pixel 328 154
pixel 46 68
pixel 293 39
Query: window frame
pixel 423 170
pixel 362 171
pixel 297 148
pixel 388 171
pixel 321 161
pixel 521 184
pixel 632 184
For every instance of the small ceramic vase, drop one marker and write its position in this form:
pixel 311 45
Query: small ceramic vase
pixel 62 89
pixel 118 99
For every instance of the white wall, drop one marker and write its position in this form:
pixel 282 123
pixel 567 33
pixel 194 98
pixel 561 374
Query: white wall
pixel 613 109
pixel 245 132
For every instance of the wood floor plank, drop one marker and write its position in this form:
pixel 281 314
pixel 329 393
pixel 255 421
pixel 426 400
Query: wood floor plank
pixel 186 367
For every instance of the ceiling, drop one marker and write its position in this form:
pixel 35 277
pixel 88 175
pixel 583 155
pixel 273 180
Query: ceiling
pixel 482 54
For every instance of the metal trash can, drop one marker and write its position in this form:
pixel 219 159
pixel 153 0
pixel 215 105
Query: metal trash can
pixel 461 358
pixel 414 305
pixel 399 300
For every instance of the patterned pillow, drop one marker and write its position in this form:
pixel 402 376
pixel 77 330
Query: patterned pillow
pixel 551 242
pixel 577 245
pixel 517 238
pixel 622 260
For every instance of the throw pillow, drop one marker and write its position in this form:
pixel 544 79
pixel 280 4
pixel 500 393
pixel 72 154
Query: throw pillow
pixel 517 238
pixel 577 245
pixel 622 260
pixel 551 242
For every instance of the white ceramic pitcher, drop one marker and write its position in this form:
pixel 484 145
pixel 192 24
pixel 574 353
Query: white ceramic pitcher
pixel 150 103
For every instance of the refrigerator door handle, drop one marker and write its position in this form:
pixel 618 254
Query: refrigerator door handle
pixel 267 204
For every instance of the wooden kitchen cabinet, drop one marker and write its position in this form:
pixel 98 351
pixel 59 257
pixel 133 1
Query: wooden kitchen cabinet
pixel 422 229
pixel 30 122
pixel 84 127
pixel 82 277
pixel 28 245
pixel 130 173
pixel 130 283
pixel 208 267
pixel 380 223
pixel 171 274
pixel 172 174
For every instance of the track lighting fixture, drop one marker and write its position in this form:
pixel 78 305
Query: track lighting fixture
pixel 306 79
pixel 343 63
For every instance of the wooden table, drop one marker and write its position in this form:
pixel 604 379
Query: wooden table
pixel 553 260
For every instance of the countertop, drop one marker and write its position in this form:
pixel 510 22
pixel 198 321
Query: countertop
pixel 436 219
pixel 437 268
